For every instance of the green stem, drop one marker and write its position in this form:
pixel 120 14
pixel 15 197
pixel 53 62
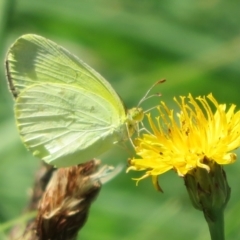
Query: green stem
pixel 215 222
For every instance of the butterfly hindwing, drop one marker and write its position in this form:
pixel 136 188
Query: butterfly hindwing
pixel 60 123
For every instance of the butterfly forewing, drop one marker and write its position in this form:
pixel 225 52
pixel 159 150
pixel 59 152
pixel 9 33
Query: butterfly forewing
pixel 34 59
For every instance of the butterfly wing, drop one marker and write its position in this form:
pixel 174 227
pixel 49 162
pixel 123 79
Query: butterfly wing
pixel 34 59
pixel 65 125
pixel 66 112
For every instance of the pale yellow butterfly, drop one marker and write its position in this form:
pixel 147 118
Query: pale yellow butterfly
pixel 66 112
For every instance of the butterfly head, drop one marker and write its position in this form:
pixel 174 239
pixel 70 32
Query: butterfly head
pixel 135 114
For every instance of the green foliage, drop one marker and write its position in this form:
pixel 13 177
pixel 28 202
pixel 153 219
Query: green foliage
pixel 193 44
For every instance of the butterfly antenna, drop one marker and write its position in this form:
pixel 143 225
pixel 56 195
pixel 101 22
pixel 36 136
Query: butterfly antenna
pixel 146 96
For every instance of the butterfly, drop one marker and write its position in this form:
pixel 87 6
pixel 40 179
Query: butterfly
pixel 65 111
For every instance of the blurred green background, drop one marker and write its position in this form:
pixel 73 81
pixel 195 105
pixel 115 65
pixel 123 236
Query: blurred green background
pixel 195 45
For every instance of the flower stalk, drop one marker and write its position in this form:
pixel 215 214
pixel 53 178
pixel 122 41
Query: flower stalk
pixel 209 192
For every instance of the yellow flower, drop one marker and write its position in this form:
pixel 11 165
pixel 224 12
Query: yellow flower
pixel 188 139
